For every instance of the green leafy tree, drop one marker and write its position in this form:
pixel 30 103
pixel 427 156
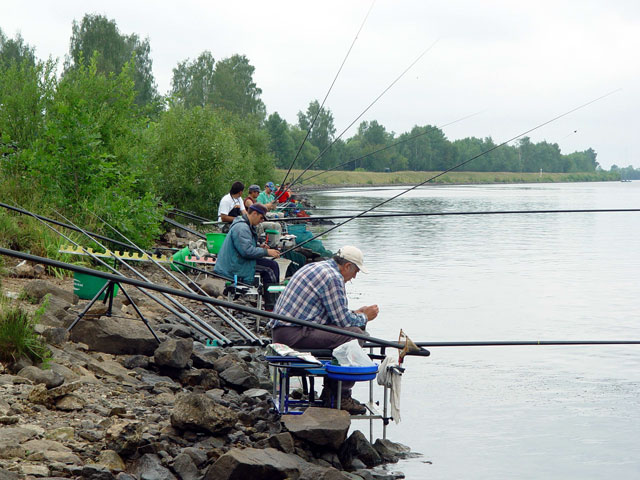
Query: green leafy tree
pixel 322 133
pixel 234 88
pixel 97 33
pixel 280 140
pixel 15 51
pixel 89 155
pixel 192 82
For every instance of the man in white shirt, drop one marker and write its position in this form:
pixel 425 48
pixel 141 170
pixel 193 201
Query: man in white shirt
pixel 231 204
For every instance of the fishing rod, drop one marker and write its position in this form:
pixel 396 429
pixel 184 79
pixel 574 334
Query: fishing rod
pixel 325 97
pixel 201 298
pixel 223 314
pixel 189 215
pixel 60 224
pixel 399 142
pixel 183 227
pixel 444 214
pixel 213 334
pixel 363 112
pixel 507 343
pixel 204 325
pixel 454 167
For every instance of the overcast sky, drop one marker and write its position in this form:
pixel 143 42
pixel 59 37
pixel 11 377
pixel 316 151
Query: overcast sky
pixel 518 63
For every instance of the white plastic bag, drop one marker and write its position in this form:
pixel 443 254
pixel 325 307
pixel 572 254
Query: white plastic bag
pixel 351 354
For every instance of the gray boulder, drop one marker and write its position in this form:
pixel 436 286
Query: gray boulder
pixel 254 463
pixel 282 441
pixel 49 378
pixel 358 447
pixel 184 466
pixel 213 286
pixel 390 451
pixel 320 426
pixel 119 336
pixel 149 467
pixel 174 353
pixel 238 376
pixel 39 288
pixel 199 412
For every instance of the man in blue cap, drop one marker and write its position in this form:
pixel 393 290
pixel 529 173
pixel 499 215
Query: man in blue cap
pixel 240 254
pixel 266 197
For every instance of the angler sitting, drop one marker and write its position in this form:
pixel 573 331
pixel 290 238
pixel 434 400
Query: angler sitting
pixel 231 205
pixel 266 197
pixel 254 193
pixel 316 294
pixel 240 254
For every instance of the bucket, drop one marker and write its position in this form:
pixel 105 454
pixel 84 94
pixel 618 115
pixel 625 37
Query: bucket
pixel 86 286
pixel 215 241
pixel 273 237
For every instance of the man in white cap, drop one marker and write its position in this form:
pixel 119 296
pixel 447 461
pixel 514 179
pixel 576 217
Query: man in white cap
pixel 316 294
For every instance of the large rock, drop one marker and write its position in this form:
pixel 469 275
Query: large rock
pixel 252 463
pixel 39 288
pixel 7 475
pixel 199 412
pixel 149 467
pixel 390 451
pixel 125 437
pixel 58 307
pixel 357 446
pixel 119 336
pixel 174 353
pixel 39 394
pixel 320 426
pixel 238 376
pixel 213 286
pixel 49 378
pixel 10 440
pixel 185 467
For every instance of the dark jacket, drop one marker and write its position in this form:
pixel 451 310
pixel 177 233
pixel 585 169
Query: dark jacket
pixel 239 251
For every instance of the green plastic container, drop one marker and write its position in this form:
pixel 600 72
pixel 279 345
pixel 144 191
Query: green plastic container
pixel 215 241
pixel 86 286
pixel 180 256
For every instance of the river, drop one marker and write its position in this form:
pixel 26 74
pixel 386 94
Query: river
pixel 507 412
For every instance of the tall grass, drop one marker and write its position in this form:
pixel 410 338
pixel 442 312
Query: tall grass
pixel 18 337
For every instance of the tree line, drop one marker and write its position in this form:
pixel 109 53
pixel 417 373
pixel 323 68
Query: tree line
pixel 99 139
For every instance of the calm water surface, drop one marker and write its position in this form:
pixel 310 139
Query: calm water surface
pixel 507 412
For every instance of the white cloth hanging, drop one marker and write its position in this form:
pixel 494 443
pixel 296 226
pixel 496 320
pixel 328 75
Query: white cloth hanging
pixel 391 378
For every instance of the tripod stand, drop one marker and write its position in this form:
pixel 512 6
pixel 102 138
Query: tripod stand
pixel 109 288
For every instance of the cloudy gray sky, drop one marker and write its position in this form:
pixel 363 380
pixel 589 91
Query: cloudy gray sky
pixel 518 63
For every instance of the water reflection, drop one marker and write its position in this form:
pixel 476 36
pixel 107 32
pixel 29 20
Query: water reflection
pixel 535 412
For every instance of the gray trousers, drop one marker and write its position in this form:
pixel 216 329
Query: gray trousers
pixel 310 338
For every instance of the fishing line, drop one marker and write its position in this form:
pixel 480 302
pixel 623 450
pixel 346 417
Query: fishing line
pixel 455 167
pixel 326 96
pixel 301 180
pixel 444 214
pixel 364 111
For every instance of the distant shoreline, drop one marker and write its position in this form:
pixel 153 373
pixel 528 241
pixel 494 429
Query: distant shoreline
pixel 352 179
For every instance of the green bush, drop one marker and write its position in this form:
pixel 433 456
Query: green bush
pixel 18 338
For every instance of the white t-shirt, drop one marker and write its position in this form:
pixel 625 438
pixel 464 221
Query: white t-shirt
pixel 226 205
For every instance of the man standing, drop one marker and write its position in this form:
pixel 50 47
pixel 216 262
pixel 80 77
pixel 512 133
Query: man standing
pixel 231 205
pixel 266 197
pixel 316 294
pixel 240 255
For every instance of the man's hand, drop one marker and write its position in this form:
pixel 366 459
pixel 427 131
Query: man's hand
pixel 371 311
pixel 272 252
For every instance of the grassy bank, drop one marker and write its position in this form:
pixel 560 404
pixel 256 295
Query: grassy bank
pixel 342 178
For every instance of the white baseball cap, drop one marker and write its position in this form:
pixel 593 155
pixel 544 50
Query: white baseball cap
pixel 354 255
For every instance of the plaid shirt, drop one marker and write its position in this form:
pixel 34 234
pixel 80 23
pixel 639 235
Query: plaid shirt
pixel 316 293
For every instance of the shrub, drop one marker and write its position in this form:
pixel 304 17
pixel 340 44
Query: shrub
pixel 18 337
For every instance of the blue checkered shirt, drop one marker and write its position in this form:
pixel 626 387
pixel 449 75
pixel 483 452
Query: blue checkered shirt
pixel 316 293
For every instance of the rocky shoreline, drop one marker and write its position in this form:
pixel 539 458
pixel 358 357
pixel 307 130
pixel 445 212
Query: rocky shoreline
pixel 116 404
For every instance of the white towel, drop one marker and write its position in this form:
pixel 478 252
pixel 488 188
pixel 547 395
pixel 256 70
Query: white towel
pixel 392 379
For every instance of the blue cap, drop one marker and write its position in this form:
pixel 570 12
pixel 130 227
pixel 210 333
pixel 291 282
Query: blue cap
pixel 270 185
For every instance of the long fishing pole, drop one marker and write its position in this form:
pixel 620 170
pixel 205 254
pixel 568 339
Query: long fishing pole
pixel 454 167
pixel 394 144
pixel 363 112
pixel 224 315
pixel 508 343
pixel 210 333
pixel 444 214
pixel 201 298
pixel 326 96
pixel 183 227
pixel 204 325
